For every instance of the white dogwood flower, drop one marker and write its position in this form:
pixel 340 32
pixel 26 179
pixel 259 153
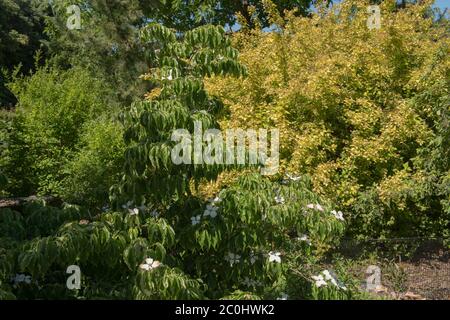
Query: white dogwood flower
pixel 214 200
pixel 150 264
pixel 144 266
pixel 325 276
pixel 284 296
pixel 279 199
pixel 196 220
pixel 169 76
pixel 338 215
pixel 305 238
pixel 320 281
pixel 293 178
pixel 332 277
pixel 134 211
pixel 334 280
pixel 232 258
pixel 319 207
pixel 329 277
pixel 210 211
pixel 315 206
pixel 274 257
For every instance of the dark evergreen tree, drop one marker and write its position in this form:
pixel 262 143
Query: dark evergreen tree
pixel 108 39
pixel 21 34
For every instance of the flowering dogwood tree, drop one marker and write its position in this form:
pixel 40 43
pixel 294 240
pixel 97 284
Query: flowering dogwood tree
pixel 241 233
pixel 177 102
pixel 159 240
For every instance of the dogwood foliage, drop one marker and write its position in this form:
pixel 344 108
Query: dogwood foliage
pixel 159 240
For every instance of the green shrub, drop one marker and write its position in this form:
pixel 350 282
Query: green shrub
pixel 5 131
pixel 96 166
pixel 165 242
pixel 17 229
pixel 238 241
pixel 53 107
pixel 261 223
pixel 364 112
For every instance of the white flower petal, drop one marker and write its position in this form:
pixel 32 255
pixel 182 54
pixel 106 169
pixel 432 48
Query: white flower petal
pixel 144 266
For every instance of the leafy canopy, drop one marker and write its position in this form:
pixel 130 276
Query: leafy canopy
pixel 358 109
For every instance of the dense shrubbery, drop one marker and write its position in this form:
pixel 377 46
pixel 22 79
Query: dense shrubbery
pixel 5 129
pixel 364 112
pixel 54 109
pixel 166 243
pixel 95 166
pixel 245 239
pixel 364 121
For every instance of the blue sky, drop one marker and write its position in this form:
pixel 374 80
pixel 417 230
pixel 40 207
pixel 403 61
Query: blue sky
pixel 442 4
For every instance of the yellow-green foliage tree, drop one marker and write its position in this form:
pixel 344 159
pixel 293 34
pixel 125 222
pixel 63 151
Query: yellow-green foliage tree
pixel 362 110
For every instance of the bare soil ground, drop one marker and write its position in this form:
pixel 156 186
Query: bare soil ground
pixel 428 274
pixel 423 276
